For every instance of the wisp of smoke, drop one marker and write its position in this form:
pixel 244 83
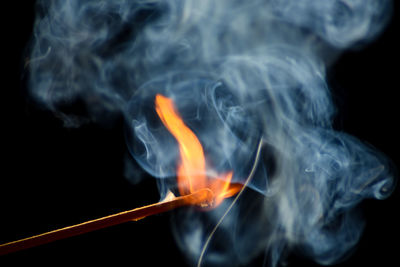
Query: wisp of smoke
pixel 239 72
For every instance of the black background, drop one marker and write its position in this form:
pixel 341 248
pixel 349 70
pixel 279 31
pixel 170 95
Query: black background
pixel 54 176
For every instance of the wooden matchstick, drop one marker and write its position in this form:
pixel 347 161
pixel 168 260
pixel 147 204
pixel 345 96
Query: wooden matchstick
pixel 202 197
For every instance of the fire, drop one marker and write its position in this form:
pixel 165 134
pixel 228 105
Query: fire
pixel 191 171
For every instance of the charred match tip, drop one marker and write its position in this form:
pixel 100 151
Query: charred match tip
pixel 201 198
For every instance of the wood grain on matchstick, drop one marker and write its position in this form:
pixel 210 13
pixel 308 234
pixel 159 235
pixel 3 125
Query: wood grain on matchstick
pixel 200 198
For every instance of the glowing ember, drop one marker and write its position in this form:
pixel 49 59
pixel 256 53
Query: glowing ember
pixel 191 171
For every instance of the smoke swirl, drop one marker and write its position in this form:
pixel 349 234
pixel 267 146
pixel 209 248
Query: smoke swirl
pixel 239 72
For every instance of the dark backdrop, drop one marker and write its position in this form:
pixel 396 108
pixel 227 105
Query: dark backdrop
pixel 53 176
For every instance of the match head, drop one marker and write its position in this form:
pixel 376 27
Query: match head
pixel 203 198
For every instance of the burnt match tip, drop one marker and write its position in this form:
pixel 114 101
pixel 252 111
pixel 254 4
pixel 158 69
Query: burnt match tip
pixel 203 198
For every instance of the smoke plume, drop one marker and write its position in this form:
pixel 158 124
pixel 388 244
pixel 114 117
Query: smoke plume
pixel 239 72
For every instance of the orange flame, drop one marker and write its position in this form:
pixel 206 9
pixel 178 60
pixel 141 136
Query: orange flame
pixel 191 172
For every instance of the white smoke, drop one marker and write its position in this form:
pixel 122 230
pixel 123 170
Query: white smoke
pixel 239 71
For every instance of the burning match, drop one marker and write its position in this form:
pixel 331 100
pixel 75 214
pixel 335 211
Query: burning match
pixel 201 198
pixel 196 189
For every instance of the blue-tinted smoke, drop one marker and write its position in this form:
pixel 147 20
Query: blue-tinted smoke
pixel 239 72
